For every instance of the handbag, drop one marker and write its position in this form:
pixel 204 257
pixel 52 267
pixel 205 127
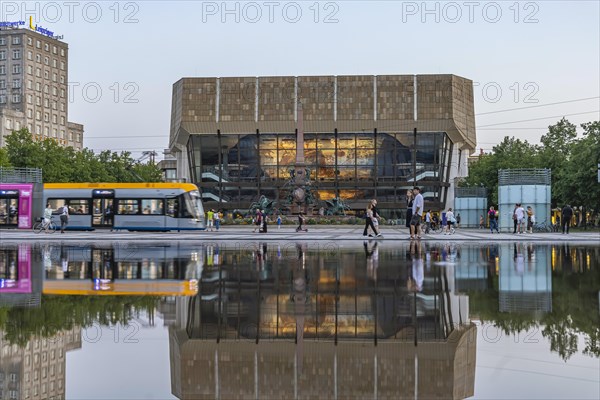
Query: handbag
pixel 375 222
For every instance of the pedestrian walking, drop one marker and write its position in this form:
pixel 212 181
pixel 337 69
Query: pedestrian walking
pixel 514 218
pixel 279 222
pixel 493 217
pixel 567 215
pixel 257 221
pixel 481 222
pixel 64 218
pixel 264 221
pixel 301 221
pixel 450 221
pixel 427 221
pixel 370 215
pixel 217 219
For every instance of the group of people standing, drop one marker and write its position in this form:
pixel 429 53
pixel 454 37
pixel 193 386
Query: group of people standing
pixel 523 219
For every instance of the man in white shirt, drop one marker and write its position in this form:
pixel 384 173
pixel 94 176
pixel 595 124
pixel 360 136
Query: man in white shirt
pixel 520 213
pixel 417 214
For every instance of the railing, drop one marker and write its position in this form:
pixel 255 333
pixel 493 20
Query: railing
pixel 20 175
pixel 524 176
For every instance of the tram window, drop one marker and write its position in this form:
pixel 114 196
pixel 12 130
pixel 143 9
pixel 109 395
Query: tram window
pixel 76 206
pixel 152 206
pixel 172 207
pixel 128 206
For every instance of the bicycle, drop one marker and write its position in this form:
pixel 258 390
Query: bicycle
pixel 435 228
pixel 50 227
pixel 542 227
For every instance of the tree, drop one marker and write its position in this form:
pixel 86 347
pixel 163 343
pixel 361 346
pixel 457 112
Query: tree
pixel 508 154
pixel 4 161
pixel 65 164
pixel 578 183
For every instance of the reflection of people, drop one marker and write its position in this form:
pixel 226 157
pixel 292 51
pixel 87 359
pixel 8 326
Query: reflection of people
pixel 519 258
pixel 416 278
pixel 372 254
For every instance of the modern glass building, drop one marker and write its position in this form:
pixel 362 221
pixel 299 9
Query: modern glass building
pixel 364 137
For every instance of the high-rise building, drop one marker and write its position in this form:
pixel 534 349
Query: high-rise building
pixel 34 87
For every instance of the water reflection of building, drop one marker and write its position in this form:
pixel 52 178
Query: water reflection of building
pixel 286 324
pixel 525 281
pixel 37 370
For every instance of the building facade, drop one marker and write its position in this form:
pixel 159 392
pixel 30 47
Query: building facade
pixel 364 137
pixel 34 87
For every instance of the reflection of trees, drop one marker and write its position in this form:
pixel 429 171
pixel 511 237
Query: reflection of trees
pixel 574 309
pixel 58 313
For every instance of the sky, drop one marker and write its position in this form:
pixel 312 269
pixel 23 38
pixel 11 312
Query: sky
pixel 532 62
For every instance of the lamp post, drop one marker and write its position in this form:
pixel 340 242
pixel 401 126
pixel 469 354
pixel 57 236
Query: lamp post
pixel 415 157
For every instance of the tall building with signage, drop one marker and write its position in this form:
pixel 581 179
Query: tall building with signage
pixel 34 85
pixel 364 137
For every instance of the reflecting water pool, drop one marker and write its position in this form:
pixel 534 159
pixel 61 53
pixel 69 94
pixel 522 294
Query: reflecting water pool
pixel 268 320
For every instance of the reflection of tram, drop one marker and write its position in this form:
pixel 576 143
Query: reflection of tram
pixel 120 270
pixel 15 269
pixel 132 206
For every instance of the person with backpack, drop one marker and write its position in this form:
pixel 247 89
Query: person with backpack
pixel 64 218
pixel 493 217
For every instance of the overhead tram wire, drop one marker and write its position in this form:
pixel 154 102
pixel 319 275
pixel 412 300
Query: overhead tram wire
pixel 539 119
pixel 538 105
pixel 517 109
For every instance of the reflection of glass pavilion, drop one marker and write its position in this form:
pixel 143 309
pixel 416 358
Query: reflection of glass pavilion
pixel 311 326
pixel 236 137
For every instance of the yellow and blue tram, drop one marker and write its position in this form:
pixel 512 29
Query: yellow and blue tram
pixel 128 206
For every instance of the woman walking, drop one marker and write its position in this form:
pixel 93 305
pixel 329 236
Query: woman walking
pixel 371 215
pixel 409 205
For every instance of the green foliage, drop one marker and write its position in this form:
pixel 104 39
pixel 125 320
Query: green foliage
pixel 59 313
pixel 64 164
pixel 573 162
pixel 510 153
pixel 4 161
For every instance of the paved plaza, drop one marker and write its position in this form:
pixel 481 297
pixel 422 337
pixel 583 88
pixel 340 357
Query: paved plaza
pixel 345 233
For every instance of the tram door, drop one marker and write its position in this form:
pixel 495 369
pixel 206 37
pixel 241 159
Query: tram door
pixel 9 207
pixel 103 208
